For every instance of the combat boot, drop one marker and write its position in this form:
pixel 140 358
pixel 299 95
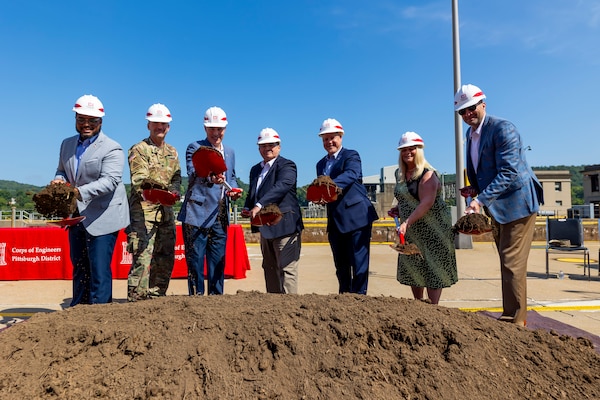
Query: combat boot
pixel 154 292
pixel 133 295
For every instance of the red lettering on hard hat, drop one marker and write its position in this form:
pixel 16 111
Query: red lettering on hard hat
pixel 418 140
pixel 338 126
pixel 77 105
pixel 478 94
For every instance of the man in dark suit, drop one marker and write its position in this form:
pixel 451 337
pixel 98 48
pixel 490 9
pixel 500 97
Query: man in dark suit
pixel 273 181
pixel 351 216
pixel 506 188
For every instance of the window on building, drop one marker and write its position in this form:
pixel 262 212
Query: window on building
pixel 558 186
pixel 558 203
pixel 372 192
pixel 594 183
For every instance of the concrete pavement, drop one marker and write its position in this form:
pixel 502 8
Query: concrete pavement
pixel 573 300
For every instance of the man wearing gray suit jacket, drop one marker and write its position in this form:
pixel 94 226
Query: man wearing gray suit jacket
pixel 93 163
pixel 508 191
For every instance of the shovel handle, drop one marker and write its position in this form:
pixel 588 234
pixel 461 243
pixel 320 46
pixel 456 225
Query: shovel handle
pixel 400 235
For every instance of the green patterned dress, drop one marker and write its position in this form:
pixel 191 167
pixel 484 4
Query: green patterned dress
pixel 435 268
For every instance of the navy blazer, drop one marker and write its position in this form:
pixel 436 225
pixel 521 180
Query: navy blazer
pixel 201 203
pixel 278 187
pixel 504 180
pixel 353 209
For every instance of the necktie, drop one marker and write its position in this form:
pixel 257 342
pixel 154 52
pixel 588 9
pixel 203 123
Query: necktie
pixel 328 164
pixel 262 175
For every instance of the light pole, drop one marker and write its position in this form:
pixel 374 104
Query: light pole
pixel 462 241
pixel 13 206
pixel 443 187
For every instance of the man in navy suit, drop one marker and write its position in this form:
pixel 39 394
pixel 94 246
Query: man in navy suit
pixel 506 188
pixel 205 210
pixel 93 164
pixel 273 181
pixel 351 216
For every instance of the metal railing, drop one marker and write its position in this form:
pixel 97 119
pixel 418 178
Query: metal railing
pixel 20 215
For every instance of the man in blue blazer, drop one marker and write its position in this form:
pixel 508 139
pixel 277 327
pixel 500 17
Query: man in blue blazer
pixel 205 210
pixel 273 181
pixel 93 163
pixel 506 188
pixel 351 216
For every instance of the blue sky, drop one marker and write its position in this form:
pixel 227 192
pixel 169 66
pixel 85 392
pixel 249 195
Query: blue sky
pixel 380 67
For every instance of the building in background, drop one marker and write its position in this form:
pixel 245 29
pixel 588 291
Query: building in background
pixel 557 192
pixel 591 188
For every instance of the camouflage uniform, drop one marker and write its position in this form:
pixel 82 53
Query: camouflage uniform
pixel 151 235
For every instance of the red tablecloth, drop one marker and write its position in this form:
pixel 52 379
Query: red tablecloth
pixel 43 253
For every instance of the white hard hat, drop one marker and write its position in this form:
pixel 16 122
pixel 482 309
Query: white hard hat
pixel 331 125
pixel 158 113
pixel 467 96
pixel 410 139
pixel 268 135
pixel 215 117
pixel 89 105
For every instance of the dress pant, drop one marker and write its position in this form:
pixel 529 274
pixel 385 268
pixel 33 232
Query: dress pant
pixel 201 243
pixel 91 257
pixel 280 263
pixel 513 241
pixel 351 257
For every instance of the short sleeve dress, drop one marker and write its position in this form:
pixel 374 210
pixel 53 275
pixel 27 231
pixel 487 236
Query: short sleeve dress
pixel 435 268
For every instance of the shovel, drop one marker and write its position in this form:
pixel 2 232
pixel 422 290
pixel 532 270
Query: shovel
pixel 400 235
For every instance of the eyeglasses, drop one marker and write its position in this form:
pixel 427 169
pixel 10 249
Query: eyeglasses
pixel 91 121
pixel 469 109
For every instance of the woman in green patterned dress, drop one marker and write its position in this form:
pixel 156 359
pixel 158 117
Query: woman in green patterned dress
pixel 425 222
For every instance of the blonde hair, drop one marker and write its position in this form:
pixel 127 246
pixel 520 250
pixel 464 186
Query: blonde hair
pixel 420 164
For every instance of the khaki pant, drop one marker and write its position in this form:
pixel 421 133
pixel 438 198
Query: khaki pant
pixel 280 263
pixel 513 241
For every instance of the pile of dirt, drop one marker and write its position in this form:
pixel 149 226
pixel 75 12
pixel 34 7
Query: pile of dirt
pixel 268 346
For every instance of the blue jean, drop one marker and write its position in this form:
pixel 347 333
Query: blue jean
pixel 201 243
pixel 91 257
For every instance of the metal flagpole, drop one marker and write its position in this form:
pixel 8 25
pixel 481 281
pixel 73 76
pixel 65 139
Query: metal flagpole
pixel 461 241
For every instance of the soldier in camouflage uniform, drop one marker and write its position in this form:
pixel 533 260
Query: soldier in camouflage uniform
pixel 151 236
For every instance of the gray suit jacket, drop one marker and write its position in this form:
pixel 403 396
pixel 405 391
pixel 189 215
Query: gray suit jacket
pixel 99 181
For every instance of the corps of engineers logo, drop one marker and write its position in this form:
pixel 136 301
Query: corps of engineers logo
pixel 3 254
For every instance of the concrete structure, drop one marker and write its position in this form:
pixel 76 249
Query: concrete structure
pixel 591 187
pixel 557 191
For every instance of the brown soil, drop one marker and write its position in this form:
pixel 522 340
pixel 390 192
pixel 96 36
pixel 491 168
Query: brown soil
pixel 472 224
pixel 56 200
pixel 267 346
pixel 409 249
